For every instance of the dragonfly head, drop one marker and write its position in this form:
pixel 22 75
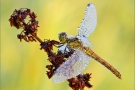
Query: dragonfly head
pixel 63 37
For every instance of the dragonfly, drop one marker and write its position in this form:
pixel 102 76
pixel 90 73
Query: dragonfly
pixel 80 59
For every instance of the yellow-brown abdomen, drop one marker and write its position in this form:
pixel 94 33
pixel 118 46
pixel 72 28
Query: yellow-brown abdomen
pixel 90 53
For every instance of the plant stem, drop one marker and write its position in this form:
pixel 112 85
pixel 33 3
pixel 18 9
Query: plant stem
pixel 37 38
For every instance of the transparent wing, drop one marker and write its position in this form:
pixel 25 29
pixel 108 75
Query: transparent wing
pixel 84 40
pixel 89 22
pixel 75 64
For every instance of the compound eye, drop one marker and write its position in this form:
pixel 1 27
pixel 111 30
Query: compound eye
pixel 62 37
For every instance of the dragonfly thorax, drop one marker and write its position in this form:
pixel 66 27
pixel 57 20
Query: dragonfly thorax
pixel 68 43
pixel 74 43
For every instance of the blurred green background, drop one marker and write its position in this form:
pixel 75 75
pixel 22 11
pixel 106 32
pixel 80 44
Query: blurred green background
pixel 23 64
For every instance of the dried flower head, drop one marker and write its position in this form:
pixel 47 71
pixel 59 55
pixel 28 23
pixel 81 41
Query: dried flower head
pixel 17 20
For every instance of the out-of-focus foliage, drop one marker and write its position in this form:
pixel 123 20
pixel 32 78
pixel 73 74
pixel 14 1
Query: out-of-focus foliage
pixel 23 64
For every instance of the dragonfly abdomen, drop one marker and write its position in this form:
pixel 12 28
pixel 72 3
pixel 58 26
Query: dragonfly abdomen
pixel 90 53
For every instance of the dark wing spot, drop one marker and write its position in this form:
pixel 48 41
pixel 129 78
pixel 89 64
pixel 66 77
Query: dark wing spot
pixel 88 5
